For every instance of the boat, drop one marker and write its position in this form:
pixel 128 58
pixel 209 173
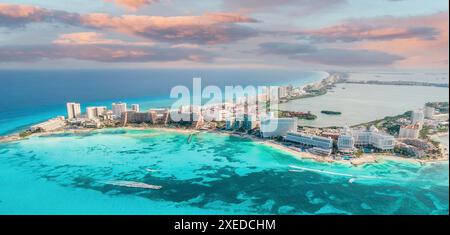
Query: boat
pixel 331 112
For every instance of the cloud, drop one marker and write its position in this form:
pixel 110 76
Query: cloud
pixel 133 4
pixel 300 6
pixel 16 15
pixel 419 52
pixel 94 47
pixel 344 57
pixel 329 56
pixel 209 28
pixel 373 29
pixel 282 48
pixel 89 38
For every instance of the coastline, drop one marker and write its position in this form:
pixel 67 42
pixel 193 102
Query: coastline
pixel 360 161
pixel 365 159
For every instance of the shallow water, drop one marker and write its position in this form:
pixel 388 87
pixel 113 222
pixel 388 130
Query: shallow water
pixel 214 174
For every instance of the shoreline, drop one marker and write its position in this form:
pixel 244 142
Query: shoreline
pixel 360 161
pixel 366 159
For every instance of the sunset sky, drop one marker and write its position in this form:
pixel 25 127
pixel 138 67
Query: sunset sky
pixel 311 34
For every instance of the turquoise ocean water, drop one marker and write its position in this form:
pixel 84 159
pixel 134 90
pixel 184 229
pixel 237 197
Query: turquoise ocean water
pixel 214 174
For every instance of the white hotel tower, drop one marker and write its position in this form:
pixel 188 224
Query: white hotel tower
pixel 118 109
pixel 73 110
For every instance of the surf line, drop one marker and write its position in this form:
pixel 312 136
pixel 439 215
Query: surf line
pixel 300 169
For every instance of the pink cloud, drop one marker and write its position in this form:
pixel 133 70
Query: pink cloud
pixel 419 52
pixel 422 41
pixel 373 29
pixel 133 4
pixel 209 28
pixel 91 38
pixel 101 53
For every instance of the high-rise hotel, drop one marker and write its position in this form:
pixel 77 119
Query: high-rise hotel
pixel 73 110
pixel 118 109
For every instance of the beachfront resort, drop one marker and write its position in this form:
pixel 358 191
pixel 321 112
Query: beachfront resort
pixel 407 135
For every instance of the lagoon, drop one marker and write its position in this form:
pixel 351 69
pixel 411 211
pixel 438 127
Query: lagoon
pixel 360 103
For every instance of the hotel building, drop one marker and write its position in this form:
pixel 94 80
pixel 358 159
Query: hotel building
pixel 374 138
pixel 95 112
pixel 50 125
pixel 118 109
pixel 229 124
pixel 417 117
pixel 429 112
pixel 322 145
pixel 346 141
pixel 135 107
pixel 409 132
pixel 136 117
pixel 73 110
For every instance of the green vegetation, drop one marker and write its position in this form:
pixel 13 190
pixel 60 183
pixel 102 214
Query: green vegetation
pixel 423 134
pixel 442 128
pixel 439 106
pixel 358 153
pixel 25 133
pixel 389 122
pixel 299 115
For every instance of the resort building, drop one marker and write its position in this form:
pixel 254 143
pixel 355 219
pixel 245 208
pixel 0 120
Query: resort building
pixel 159 116
pixel 429 112
pixel 50 125
pixel 409 132
pixel 250 122
pixel 282 92
pixel 272 127
pixel 346 143
pixel 417 117
pixel 93 123
pixel 324 145
pixel 441 117
pixel 95 112
pixel 73 110
pixel 118 109
pixel 229 124
pixel 374 138
pixel 136 117
pixel 135 107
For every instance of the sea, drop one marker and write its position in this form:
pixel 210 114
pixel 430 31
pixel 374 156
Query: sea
pixel 33 96
pixel 211 174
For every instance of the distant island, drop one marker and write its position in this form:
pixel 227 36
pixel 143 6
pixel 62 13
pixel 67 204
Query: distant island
pixel 299 115
pixel 330 112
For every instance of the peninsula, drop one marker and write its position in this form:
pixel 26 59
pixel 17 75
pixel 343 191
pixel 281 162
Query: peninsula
pixel 406 136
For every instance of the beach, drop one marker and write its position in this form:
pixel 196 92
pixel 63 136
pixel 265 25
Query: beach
pixel 356 161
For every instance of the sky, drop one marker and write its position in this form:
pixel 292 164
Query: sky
pixel 290 34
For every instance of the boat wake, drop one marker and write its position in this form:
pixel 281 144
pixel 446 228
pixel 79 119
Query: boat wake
pixel 353 178
pixel 151 170
pixel 132 184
